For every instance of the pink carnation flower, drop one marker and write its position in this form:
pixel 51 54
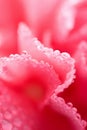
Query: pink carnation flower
pixel 31 82
pixel 37 85
pixel 64 28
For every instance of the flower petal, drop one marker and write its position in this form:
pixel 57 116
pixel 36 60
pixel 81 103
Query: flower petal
pixel 14 112
pixel 38 14
pixel 34 80
pixel 9 18
pixel 77 92
pixel 70 25
pixel 62 63
pixel 59 115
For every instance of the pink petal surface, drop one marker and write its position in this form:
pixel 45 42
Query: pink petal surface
pixel 62 63
pixel 53 114
pixel 17 113
pixel 63 27
pixel 39 14
pixel 70 26
pixel 28 76
pixel 10 15
pixel 81 66
pixel 77 92
pixel 81 59
pixel 59 115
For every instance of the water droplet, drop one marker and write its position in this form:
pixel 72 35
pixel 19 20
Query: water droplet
pixel 70 104
pixel 74 110
pixel 84 123
pixel 78 116
pixel 61 99
pixel 56 52
pixel 65 55
pixel 11 56
pixel 24 52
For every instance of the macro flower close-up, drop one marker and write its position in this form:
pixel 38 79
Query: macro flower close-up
pixel 43 65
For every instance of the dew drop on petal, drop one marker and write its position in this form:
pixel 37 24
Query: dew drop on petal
pixel 84 123
pixel 74 110
pixel 70 104
pixel 78 116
